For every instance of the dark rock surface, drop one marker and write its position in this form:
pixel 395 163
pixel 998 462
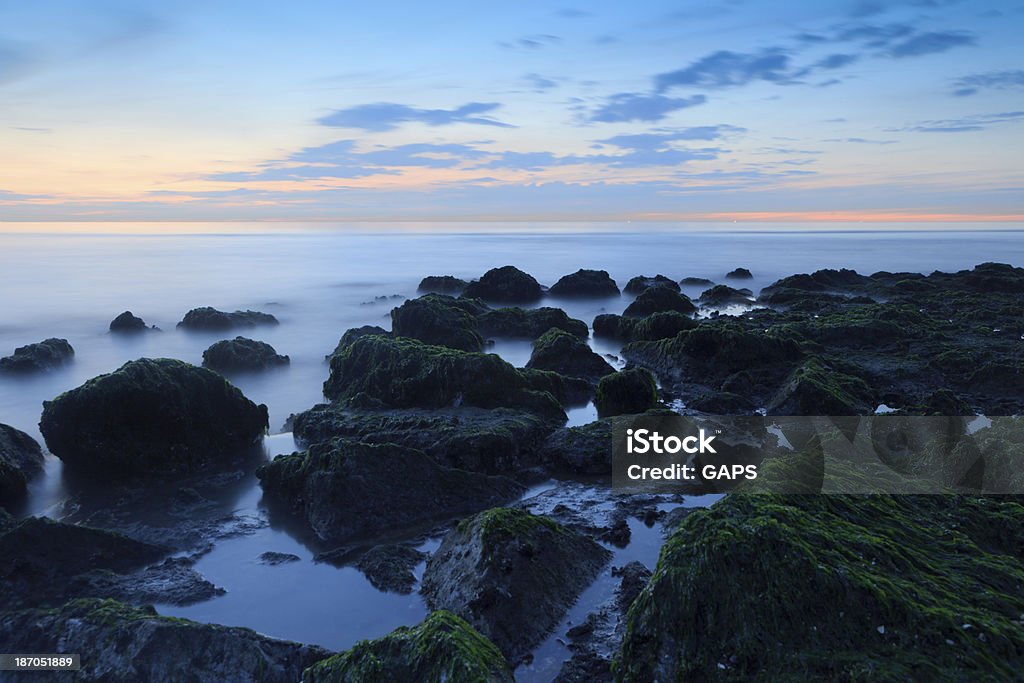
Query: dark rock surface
pixel 389 567
pixel 559 351
pixel 241 354
pixel 151 417
pixel 128 322
pixel 626 392
pixel 210 319
pixel 507 285
pixel 21 459
pixel 723 295
pixel 659 299
pixel 739 274
pixel 45 355
pixel 641 283
pixel 633 578
pixel 273 558
pixel 442 284
pixel 586 449
pixel 354 333
pixel 585 284
pixel 441 320
pixel 696 281
pixel 520 323
pixel 569 391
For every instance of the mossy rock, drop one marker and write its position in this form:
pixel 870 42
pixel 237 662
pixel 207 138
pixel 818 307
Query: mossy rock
pixel 723 295
pixel 354 333
pixel 438 319
pixel 442 284
pixel 442 649
pixel 569 391
pixel 834 587
pixel 128 322
pixel 614 326
pixel 507 285
pixel 659 299
pixel 585 284
pixel 559 351
pixel 211 320
pixel 815 389
pixel 640 283
pixel 45 355
pixel 626 392
pixel 520 323
pixel 584 449
pixel 21 459
pixel 661 325
pixel 241 354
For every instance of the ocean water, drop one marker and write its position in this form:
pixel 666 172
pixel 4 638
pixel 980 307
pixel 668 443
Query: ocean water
pixel 320 281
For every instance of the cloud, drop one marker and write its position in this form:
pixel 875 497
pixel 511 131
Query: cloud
pixel 862 141
pixel 932 43
pixel 994 80
pixel 965 124
pixel 641 107
pixel 540 83
pixel 532 42
pixel 836 61
pixel 384 116
pixel 15 62
pixel 724 69
pixel 637 157
pixel 655 141
pixel 871 35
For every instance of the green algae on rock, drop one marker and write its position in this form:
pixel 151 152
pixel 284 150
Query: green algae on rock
pixel 21 459
pixel 439 319
pixel 659 298
pixel 529 323
pixel 585 284
pixel 561 352
pixel 241 354
pixel 507 285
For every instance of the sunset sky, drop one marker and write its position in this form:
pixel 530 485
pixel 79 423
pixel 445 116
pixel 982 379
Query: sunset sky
pixel 727 109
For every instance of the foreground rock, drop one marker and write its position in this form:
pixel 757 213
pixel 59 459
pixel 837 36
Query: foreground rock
pixel 442 284
pixel 210 319
pixel 520 323
pixel 844 585
pixel 349 490
pixel 354 333
pixel 21 459
pixel 151 417
pixel 507 285
pixel 128 323
pixel 441 320
pixel 585 284
pixel 659 299
pixel 585 449
pixel 45 355
pixel 724 295
pixel 642 283
pixel 390 567
pixel 561 352
pixel 627 392
pixel 512 575
pixel 661 325
pixel 241 355
pixel 442 648
pixel 123 644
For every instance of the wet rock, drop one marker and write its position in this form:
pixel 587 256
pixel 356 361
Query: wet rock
pixel 21 459
pixel 814 389
pixel 45 355
pixel 241 354
pixel 626 392
pixel 740 274
pixel 660 325
pixel 569 391
pixel 519 323
pixel 210 319
pixel 442 648
pixel 724 295
pixel 512 575
pixel 128 322
pixel 585 667
pixel 642 283
pixel 586 449
pixel 389 567
pixel 440 320
pixel 633 579
pixel 507 284
pixel 612 326
pixel 659 299
pixel 348 490
pixel 585 284
pixel 273 558
pixel 821 574
pixel 151 417
pixel 618 534
pixel 696 281
pixel 354 333
pixel 442 284
pixel 561 352
pixel 122 644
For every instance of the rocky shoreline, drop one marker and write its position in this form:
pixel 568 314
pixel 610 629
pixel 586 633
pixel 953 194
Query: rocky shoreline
pixel 424 433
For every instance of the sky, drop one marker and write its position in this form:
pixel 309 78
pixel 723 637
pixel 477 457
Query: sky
pixel 851 110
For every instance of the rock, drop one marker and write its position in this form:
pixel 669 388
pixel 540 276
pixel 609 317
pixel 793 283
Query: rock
pixel 45 355
pixel 723 295
pixel 127 322
pixel 512 575
pixel 634 577
pixel 438 319
pixel 273 559
pixel 569 391
pixel 444 648
pixel 660 325
pixel 642 283
pixel 820 573
pixel 122 644
pixel 519 323
pixel 241 354
pixel 507 284
pixel 442 284
pixel 151 417
pixel 814 389
pixel 389 567
pixel 561 352
pixel 585 284
pixel 659 299
pixel 612 326
pixel 355 333
pixel 210 319
pixel 21 459
pixel 348 490
pixel 585 667
pixel 626 392
pixel 586 449
pixel 406 373
pixel 740 274
pixel 696 281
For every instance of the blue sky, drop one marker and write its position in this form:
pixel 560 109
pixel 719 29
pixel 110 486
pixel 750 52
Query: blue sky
pixel 725 109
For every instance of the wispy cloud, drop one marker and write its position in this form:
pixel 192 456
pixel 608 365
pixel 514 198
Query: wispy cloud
pixel 931 43
pixel 992 80
pixel 964 124
pixel 724 69
pixel 388 116
pixel 540 83
pixel 641 107
pixel 532 42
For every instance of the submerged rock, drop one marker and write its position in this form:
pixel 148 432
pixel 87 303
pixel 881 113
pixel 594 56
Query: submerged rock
pixel 45 355
pixel 561 352
pixel 507 284
pixel 241 354
pixel 21 459
pixel 151 417
pixel 211 319
pixel 439 319
pixel 128 322
pixel 354 333
pixel 520 323
pixel 442 284
pixel 585 284
pixel 512 575
pixel 659 299
pixel 273 558
pixel 642 283
pixel 843 586
pixel 442 649
pixel 740 274
pixel 661 325
pixel 122 644
pixel 626 392
pixel 347 490
pixel 723 295
pixel 389 567
pixel 696 281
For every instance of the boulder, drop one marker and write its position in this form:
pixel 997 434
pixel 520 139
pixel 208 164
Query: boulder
pixel 561 352
pixel 442 284
pixel 512 575
pixel 444 648
pixel 354 333
pixel 740 274
pixel 723 295
pixel 585 284
pixel 212 320
pixel 128 322
pixel 241 354
pixel 568 391
pixel 507 284
pixel 642 283
pixel 660 325
pixel 520 323
pixel 659 299
pixel 390 568
pixel 613 326
pixel 586 449
pixel 122 644
pixel 626 392
pixel 21 459
pixel 45 355
pixel 438 319
pixel 815 389
pixel 696 281
pixel 349 490
pixel 151 417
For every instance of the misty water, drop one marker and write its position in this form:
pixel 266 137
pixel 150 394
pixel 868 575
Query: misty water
pixel 320 281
